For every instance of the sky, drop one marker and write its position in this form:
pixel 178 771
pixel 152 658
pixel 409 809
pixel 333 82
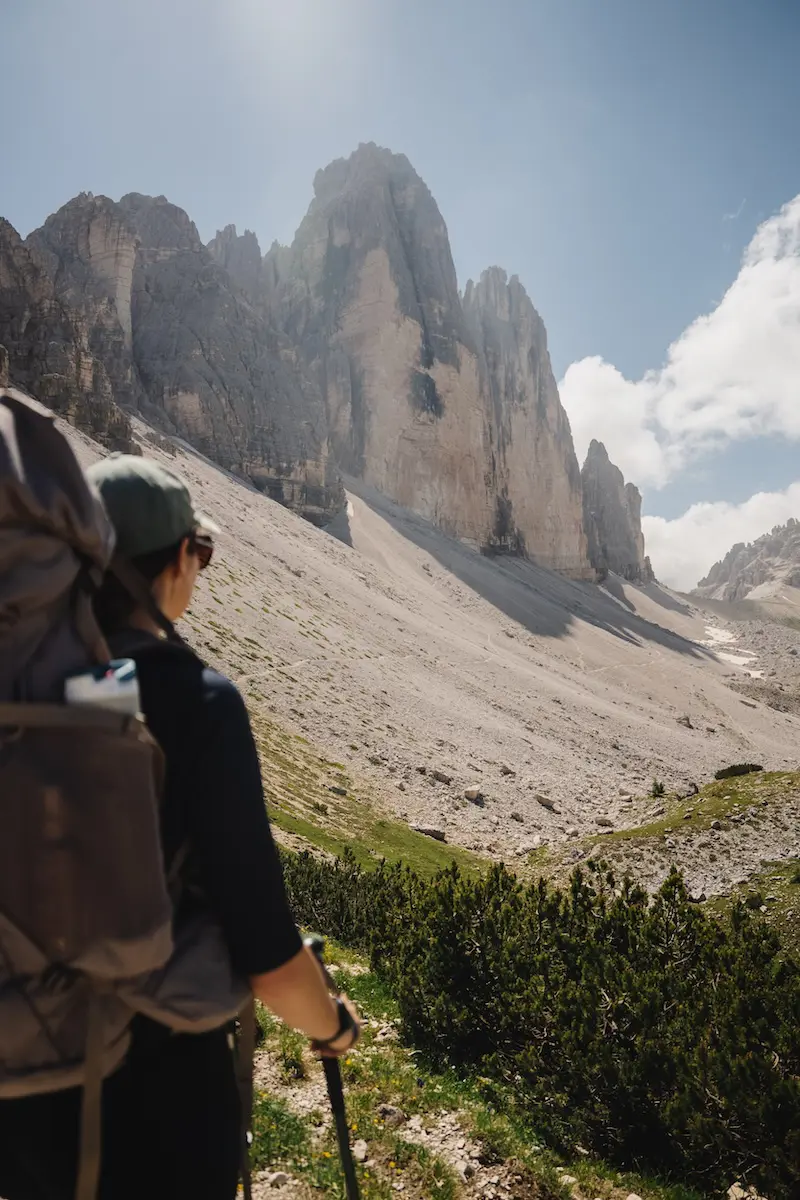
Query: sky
pixel 635 162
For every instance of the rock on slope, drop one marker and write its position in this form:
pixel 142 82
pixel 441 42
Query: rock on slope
pixel 180 342
pixel 612 513
pixel 757 569
pixel 449 408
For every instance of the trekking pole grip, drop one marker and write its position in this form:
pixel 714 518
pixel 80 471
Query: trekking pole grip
pixel 316 944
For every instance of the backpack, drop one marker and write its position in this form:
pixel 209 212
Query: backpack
pixel 86 914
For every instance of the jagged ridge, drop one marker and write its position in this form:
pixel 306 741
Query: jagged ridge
pixel 773 559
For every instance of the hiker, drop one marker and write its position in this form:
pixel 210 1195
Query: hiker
pixel 171 1113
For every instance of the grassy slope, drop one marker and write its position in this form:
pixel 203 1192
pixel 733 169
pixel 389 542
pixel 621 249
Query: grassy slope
pixel 747 798
pixel 718 801
pixel 775 892
pixel 299 782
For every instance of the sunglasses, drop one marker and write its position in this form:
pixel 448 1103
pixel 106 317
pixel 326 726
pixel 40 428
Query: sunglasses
pixel 202 544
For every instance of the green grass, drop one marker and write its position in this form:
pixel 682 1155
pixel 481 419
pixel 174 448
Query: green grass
pixel 298 782
pixel 383 1071
pixel 780 880
pixel 714 802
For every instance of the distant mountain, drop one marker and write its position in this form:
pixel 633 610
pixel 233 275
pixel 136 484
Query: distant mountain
pixel 758 569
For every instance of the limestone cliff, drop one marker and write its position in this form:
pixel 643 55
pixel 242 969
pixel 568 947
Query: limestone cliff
pixel 450 408
pixel 368 293
pixel 759 568
pixel 183 344
pixel 612 513
pixel 51 351
pixel 535 474
pixel 350 351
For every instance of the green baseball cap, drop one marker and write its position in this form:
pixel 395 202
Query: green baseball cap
pixel 149 506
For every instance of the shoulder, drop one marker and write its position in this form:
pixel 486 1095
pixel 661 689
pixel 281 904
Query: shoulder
pixel 222 697
pixel 174 677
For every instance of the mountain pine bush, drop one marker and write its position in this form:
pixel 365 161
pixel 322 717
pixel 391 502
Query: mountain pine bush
pixel 665 1040
pixel 737 769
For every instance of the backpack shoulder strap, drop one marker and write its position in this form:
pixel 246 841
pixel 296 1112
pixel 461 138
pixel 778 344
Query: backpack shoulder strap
pixel 138 643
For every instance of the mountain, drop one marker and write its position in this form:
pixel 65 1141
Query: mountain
pixel 612 514
pixel 50 347
pixel 448 407
pixel 536 480
pixel 758 569
pixel 350 353
pixel 182 344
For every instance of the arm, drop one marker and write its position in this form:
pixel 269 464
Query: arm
pixel 229 830
pixel 298 994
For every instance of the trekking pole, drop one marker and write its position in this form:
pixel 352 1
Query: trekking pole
pixel 333 1078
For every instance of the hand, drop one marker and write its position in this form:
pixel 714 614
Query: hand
pixel 341 1045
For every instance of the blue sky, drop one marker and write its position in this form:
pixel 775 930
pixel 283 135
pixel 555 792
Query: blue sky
pixel 618 155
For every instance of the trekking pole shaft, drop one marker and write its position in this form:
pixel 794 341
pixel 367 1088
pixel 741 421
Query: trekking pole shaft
pixel 333 1078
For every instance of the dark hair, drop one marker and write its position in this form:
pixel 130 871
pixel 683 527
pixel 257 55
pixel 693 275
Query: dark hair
pixel 113 604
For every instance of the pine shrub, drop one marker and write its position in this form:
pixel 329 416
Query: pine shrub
pixel 737 769
pixel 665 1040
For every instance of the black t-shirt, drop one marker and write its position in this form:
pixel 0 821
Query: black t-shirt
pixel 214 802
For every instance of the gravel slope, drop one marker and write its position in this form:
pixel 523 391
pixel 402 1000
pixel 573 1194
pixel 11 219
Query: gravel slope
pixel 393 648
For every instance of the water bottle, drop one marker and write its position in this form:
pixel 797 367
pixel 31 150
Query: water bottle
pixel 112 685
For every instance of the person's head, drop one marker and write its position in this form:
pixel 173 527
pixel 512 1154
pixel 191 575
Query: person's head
pixel 157 530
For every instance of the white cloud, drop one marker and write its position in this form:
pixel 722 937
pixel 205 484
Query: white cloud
pixel 684 550
pixel 731 375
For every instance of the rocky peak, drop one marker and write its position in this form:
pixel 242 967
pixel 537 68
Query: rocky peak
pixel 369 164
pixel 179 341
pixel 368 294
pixel 50 350
pixel 612 512
pixel 448 407
pixel 163 228
pixel 757 568
pixel 537 487
pixel 240 256
pixel 369 209
pixel 89 249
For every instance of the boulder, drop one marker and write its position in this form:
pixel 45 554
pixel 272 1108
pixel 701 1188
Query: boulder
pixel 438 835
